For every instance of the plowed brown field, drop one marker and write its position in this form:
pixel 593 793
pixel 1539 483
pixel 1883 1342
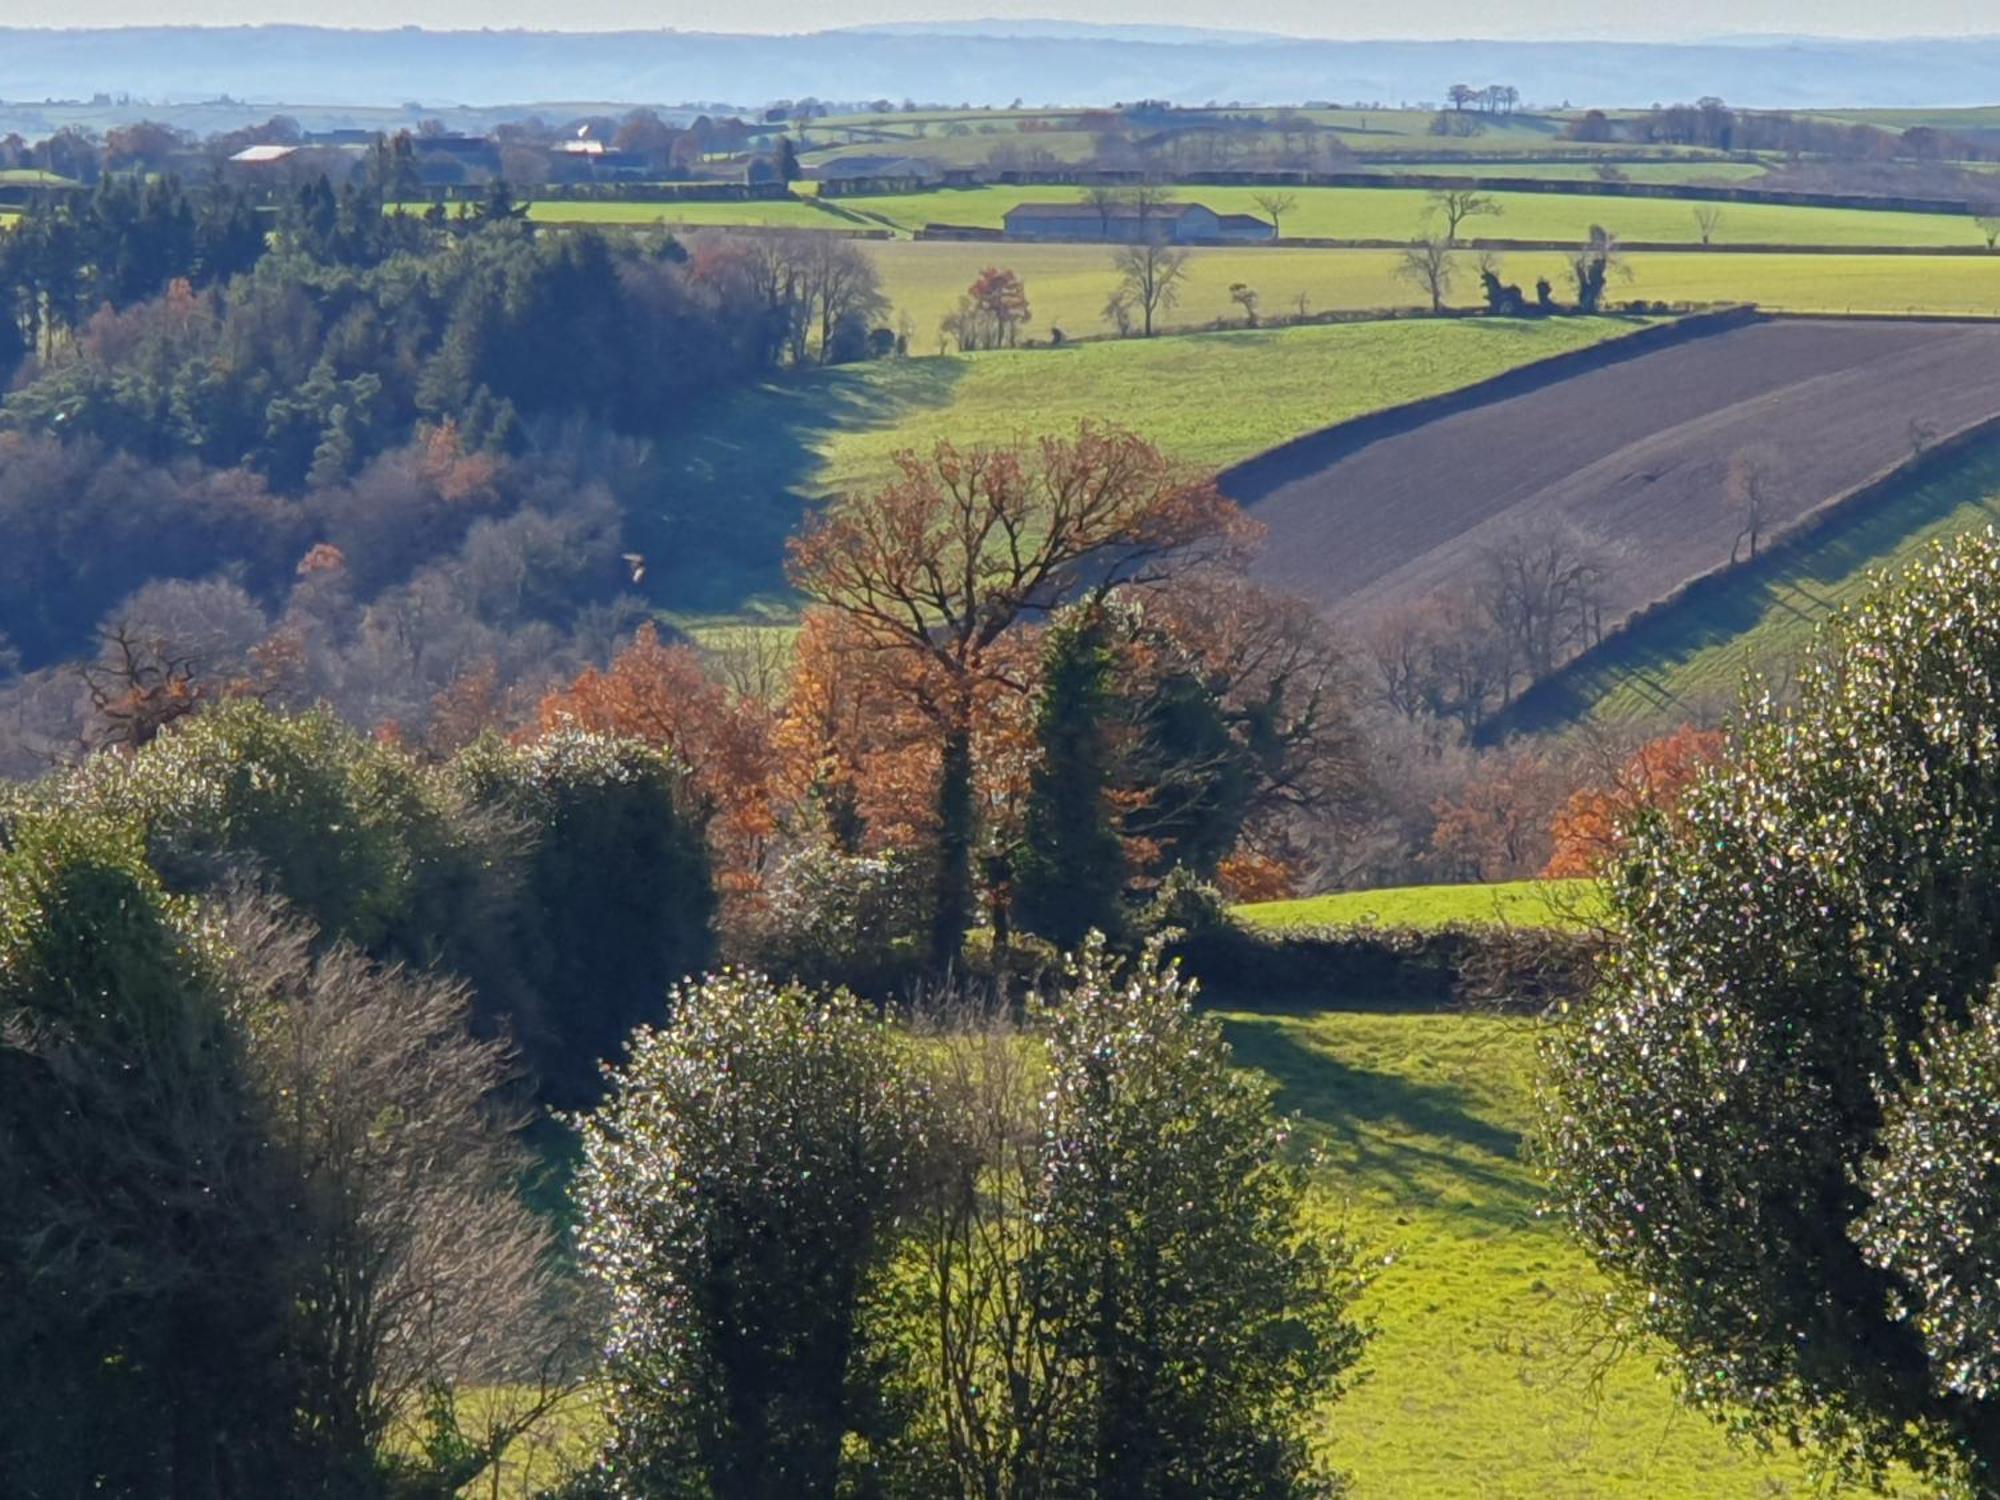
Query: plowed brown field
pixel 1633 452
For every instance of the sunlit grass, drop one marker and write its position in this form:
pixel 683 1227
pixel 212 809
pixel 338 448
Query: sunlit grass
pixel 1518 903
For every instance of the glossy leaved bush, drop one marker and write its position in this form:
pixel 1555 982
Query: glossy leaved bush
pixel 1070 1258
pixel 1775 1122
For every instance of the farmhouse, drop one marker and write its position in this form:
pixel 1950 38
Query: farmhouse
pixel 1126 223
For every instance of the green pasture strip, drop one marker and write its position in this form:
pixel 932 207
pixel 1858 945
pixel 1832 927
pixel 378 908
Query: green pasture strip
pixel 1515 903
pixel 1399 213
pixel 1693 656
pixel 1212 399
pixel 758 213
pixel 1485 1377
pixel 1068 285
pixel 1675 173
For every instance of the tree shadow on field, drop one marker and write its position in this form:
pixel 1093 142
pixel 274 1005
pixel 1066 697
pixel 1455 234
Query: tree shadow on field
pixel 1421 1140
pixel 731 478
pixel 1728 605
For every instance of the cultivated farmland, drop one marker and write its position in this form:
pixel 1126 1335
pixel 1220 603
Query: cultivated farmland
pixel 1690 658
pixel 1633 454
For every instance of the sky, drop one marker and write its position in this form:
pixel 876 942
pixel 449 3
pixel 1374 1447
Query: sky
pixel 1428 20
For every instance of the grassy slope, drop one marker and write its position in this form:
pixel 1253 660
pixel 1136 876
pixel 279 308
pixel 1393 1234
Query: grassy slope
pixel 1483 1365
pixel 1696 654
pixel 1483 1377
pixel 1212 399
pixel 1068 284
pixel 1520 903
pixel 731 485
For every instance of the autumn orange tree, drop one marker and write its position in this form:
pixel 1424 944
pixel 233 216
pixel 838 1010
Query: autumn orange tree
pixel 1587 828
pixel 932 571
pixel 664 695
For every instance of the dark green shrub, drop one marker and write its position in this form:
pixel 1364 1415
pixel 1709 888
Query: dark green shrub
pixel 615 899
pixel 352 833
pixel 143 1305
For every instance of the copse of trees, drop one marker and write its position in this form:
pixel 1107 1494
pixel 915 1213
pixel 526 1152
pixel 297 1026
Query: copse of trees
pixel 1773 1123
pixel 934 573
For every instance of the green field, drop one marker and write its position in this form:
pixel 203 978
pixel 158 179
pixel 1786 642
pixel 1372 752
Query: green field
pixel 803 212
pixel 1680 172
pixel 1693 656
pixel 744 463
pixel 1516 903
pixel 969 135
pixel 1485 1380
pixel 1400 213
pixel 1340 213
pixel 1068 284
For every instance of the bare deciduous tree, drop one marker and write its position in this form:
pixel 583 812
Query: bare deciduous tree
pixel 1751 490
pixel 1438 661
pixel 1544 591
pixel 1277 205
pixel 1456 205
pixel 1428 265
pixel 1149 278
pixel 423 1271
pixel 1104 198
pixel 1004 1390
pixel 1707 219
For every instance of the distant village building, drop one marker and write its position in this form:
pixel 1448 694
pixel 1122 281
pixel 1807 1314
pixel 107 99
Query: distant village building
pixel 1127 224
pixel 262 156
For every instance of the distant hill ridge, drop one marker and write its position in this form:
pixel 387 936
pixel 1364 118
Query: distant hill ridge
pixel 327 65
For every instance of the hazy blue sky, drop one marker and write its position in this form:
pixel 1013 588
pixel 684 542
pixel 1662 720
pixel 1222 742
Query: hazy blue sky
pixel 1681 19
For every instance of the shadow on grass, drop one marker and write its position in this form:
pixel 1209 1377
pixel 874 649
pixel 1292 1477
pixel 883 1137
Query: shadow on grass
pixel 1738 601
pixel 1421 1139
pixel 729 481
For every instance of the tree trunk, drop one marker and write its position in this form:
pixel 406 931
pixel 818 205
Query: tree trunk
pixel 954 852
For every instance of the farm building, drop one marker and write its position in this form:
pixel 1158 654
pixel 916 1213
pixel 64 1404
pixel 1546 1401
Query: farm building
pixel 1125 223
pixel 878 174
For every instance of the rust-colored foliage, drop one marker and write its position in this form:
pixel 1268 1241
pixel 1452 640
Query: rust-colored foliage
pixel 664 696
pixel 1588 827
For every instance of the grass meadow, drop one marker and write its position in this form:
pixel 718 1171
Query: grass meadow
pixel 1336 213
pixel 1490 1376
pixel 1514 903
pixel 1400 213
pixel 1694 656
pixel 729 489
pixel 1068 285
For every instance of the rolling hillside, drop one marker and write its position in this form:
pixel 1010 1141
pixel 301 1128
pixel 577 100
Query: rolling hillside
pixel 729 489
